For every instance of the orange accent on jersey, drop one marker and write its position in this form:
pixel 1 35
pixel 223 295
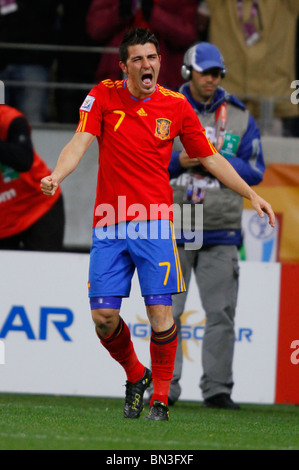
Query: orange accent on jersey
pixel 82 122
pixel 85 116
pixel 108 83
pixel 181 287
pixel 167 92
pixel 214 150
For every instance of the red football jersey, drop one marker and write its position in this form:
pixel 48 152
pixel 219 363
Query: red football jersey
pixel 135 140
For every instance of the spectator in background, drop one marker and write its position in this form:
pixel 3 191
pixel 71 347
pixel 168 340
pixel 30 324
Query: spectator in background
pixel 32 22
pixel 28 219
pixel 72 33
pixel 173 23
pixel 259 49
pixel 234 133
pixel 203 19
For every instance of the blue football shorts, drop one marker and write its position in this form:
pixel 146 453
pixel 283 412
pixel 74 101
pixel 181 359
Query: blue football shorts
pixel 148 246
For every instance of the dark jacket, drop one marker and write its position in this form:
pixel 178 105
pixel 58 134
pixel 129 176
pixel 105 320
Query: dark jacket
pixel 33 22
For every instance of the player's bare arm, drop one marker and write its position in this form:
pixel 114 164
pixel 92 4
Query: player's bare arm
pixel 224 171
pixel 67 161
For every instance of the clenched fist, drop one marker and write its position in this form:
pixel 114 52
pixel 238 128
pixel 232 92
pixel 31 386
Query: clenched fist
pixel 49 185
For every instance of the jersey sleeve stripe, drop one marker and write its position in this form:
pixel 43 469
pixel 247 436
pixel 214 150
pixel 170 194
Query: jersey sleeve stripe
pixel 82 122
pixel 210 144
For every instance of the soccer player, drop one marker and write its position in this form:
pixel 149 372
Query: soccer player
pixel 135 121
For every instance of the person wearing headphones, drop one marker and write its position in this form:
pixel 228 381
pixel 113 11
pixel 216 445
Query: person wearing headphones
pixel 234 133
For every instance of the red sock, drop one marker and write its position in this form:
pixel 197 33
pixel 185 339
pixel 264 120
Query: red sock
pixel 120 347
pixel 163 350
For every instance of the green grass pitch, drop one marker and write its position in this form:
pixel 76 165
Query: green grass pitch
pixel 37 422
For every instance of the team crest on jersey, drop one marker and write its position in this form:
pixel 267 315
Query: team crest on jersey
pixel 162 128
pixel 87 104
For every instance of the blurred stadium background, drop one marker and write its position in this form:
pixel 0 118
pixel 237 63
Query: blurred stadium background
pixel 46 336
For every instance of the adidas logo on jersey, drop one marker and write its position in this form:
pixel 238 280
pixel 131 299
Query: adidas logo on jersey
pixel 141 112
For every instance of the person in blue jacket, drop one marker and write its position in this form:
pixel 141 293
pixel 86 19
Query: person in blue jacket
pixel 234 133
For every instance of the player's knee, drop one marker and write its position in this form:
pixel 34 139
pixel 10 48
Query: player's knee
pixel 106 320
pixel 105 313
pixel 101 317
pixel 160 317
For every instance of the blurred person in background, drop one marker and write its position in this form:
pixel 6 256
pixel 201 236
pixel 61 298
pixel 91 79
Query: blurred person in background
pixel 234 133
pixel 28 219
pixel 174 23
pixel 258 40
pixel 30 22
pixel 72 32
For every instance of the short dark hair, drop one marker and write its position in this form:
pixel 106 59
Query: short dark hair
pixel 136 36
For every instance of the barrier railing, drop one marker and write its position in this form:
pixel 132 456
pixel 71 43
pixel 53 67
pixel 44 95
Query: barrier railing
pixel 266 104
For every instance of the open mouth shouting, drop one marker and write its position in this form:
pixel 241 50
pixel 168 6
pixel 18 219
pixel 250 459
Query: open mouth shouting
pixel 147 79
